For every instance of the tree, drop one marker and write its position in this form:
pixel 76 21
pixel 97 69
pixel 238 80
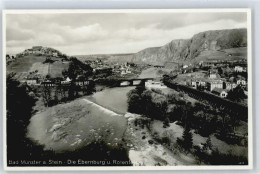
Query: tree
pixel 225 122
pixel 134 103
pixel 220 71
pixel 19 102
pixel 208 143
pixel 90 89
pixel 166 122
pixel 48 76
pixel 147 102
pixel 187 139
pixel 46 95
pixel 76 68
pixel 19 107
pixel 237 94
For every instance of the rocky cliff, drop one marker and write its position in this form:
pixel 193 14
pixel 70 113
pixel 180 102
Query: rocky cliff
pixel 190 49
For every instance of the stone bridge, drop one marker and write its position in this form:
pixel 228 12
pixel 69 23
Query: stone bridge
pixel 133 82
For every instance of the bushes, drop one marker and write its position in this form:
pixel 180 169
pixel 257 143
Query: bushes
pixel 217 158
pixel 186 142
pixel 19 110
pixel 166 122
pixel 141 101
pixel 203 118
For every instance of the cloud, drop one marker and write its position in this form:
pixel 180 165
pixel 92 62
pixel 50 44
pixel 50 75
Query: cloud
pixel 110 33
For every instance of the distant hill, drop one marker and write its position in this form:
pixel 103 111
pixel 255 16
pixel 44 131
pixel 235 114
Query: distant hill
pixel 107 57
pixel 215 44
pixel 34 59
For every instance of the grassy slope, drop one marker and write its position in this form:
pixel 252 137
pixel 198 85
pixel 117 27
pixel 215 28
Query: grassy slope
pixel 237 53
pixel 56 68
pixel 176 131
pixel 22 66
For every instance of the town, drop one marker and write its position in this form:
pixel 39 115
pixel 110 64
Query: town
pixel 215 76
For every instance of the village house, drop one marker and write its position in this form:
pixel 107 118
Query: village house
pixel 211 84
pixel 29 51
pixel 187 69
pixel 241 82
pixel 37 50
pixel 123 72
pixel 82 81
pixel 229 85
pixel 32 81
pixel 67 81
pixel 158 66
pixel 195 83
pixel 220 92
pixel 185 66
pixel 48 83
pixel 238 69
pixel 213 74
pixel 154 84
pixel 55 54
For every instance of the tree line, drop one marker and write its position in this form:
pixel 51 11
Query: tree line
pixel 77 70
pixel 203 118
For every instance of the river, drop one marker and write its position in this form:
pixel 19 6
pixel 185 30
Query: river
pixel 114 99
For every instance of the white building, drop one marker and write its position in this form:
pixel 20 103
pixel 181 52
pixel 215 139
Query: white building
pixel 55 54
pixel 197 82
pixel 156 85
pixel 211 84
pixel 239 69
pixel 185 66
pixel 229 85
pixel 220 92
pixel 241 82
pixel 66 82
pixel 31 81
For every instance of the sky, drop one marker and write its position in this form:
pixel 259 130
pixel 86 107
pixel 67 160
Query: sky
pixel 107 33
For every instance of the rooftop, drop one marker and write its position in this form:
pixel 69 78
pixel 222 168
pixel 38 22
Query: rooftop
pixel 218 90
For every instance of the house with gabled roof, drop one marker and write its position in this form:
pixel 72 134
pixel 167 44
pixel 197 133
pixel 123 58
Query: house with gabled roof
pixel 220 92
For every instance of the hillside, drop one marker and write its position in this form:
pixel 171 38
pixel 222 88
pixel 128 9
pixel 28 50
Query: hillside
pixel 215 44
pixel 107 57
pixel 23 65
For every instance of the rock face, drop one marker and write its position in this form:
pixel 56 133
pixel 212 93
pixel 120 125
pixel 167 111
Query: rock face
pixel 189 49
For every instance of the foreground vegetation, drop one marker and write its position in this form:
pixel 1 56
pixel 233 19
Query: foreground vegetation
pixel 201 118
pixel 20 102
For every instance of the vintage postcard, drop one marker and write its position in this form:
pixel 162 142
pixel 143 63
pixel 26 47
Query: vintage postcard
pixel 127 89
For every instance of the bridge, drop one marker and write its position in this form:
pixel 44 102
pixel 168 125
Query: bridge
pixel 132 82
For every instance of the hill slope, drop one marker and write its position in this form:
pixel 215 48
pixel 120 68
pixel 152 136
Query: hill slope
pixel 23 65
pixel 200 47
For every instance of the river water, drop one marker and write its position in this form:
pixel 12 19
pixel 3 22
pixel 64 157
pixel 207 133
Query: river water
pixel 114 99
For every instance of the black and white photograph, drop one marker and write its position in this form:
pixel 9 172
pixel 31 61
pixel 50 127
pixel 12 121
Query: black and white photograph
pixel 127 89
